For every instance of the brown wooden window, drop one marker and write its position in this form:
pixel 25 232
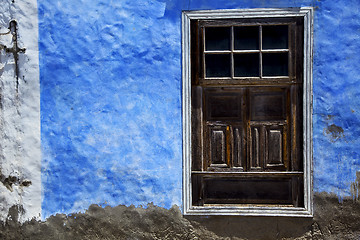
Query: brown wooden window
pixel 246 83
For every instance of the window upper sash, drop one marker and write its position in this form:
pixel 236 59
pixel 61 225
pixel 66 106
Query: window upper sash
pixel 206 59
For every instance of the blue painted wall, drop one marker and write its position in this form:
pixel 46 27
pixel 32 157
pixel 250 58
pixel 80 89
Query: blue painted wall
pixel 110 75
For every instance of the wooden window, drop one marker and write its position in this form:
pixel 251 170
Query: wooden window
pixel 247 122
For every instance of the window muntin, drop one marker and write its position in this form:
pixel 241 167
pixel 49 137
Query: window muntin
pixel 242 50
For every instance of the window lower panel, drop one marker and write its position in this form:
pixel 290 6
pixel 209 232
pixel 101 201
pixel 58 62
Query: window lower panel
pixel 262 190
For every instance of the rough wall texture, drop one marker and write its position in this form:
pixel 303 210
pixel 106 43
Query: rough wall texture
pixel 110 103
pixel 333 220
pixel 110 87
pixel 111 109
pixel 336 96
pixel 20 158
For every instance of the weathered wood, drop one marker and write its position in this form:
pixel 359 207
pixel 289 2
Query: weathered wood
pixel 234 172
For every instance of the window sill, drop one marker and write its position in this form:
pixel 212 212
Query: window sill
pixel 249 210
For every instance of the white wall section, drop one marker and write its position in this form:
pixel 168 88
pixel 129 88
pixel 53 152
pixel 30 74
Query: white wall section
pixel 20 155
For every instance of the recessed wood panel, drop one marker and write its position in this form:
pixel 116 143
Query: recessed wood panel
pixel 218 146
pixel 238 148
pixel 275 147
pixel 268 105
pixel 196 128
pixel 255 148
pixel 223 106
pixel 248 190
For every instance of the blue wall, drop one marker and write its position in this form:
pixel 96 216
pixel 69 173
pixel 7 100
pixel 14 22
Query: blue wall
pixel 110 75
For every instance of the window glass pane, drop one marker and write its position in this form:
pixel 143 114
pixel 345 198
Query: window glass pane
pixel 246 38
pixel 217 38
pixel 275 37
pixel 246 65
pixel 217 65
pixel 275 64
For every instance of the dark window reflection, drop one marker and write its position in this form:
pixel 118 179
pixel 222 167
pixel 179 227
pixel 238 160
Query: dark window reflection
pixel 275 64
pixel 275 37
pixel 246 38
pixel 217 38
pixel 217 65
pixel 246 65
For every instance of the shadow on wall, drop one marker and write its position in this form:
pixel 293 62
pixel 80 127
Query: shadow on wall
pixel 332 220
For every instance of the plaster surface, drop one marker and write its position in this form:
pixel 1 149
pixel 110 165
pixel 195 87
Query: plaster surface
pixel 110 81
pixel 20 157
pixel 110 104
pixel 110 75
pixel 336 97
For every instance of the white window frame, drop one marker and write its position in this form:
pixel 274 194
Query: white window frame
pixel 307 14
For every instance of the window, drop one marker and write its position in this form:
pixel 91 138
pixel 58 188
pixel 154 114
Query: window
pixel 247 112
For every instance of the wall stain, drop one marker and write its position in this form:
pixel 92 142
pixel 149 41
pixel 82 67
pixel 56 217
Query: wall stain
pixel 335 132
pixel 329 117
pixel 9 181
pixel 14 214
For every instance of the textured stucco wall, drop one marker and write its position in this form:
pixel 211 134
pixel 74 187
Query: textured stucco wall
pixel 20 183
pixel 110 75
pixel 110 103
pixel 337 97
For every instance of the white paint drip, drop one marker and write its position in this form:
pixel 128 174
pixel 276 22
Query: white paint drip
pixel 20 154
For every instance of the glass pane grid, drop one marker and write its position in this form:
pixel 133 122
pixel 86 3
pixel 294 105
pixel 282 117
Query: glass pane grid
pixel 246 52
